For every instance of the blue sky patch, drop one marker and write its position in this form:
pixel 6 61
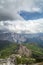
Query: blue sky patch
pixel 31 15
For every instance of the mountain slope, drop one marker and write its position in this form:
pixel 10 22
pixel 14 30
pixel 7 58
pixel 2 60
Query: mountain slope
pixel 37 52
pixel 7 48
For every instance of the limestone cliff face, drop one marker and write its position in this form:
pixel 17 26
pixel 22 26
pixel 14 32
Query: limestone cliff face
pixel 24 51
pixel 8 61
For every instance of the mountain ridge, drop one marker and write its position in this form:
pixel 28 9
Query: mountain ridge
pixel 22 38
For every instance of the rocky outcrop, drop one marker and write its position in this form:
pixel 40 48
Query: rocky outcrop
pixel 24 51
pixel 8 61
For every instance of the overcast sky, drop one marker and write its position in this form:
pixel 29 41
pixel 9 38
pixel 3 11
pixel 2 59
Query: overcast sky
pixel 10 19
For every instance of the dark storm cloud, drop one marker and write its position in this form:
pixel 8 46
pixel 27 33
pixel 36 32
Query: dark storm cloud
pixel 9 10
pixel 4 15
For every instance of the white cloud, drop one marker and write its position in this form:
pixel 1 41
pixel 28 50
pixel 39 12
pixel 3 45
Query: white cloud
pixel 16 5
pixel 31 26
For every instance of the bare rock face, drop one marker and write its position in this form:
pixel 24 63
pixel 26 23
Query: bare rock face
pixel 9 61
pixel 24 51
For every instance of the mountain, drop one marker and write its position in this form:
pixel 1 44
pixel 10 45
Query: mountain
pixel 13 37
pixel 31 50
pixel 23 38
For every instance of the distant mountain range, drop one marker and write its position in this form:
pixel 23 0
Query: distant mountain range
pixel 23 38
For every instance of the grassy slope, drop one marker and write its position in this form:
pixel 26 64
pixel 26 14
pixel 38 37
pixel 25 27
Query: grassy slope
pixel 37 52
pixel 7 48
pixel 34 48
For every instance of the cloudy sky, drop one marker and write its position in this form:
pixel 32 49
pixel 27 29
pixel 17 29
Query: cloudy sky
pixel 21 16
